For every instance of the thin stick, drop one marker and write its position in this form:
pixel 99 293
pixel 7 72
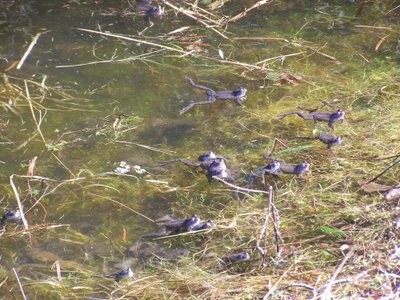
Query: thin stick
pixel 61 163
pixel 327 291
pixel 28 97
pixel 257 38
pixel 372 27
pixel 392 10
pixel 273 288
pixel 31 45
pixel 132 39
pixel 303 285
pixel 279 57
pixel 396 161
pixel 275 219
pixel 195 18
pixel 131 209
pixel 240 188
pixel 247 10
pixel 263 234
pixel 20 284
pixel 123 60
pixel 147 147
pixel 19 202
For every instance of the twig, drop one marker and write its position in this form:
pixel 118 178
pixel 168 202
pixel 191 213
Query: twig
pixel 279 57
pixel 247 10
pixel 303 285
pixel 273 288
pixel 260 39
pixel 31 45
pixel 123 60
pixel 395 162
pixel 20 284
pixel 19 202
pixel 392 10
pixel 132 39
pixel 381 40
pixel 240 188
pixel 372 27
pixel 326 293
pixel 147 147
pixel 61 163
pixel 348 279
pixel 4 281
pixel 195 18
pixel 263 234
pixel 131 209
pixel 28 97
pixel 275 219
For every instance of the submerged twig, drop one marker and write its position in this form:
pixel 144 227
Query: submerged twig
pixel 263 234
pixel 247 10
pixel 20 284
pixel 24 221
pixel 395 162
pixel 123 60
pixel 190 15
pixel 326 293
pixel 31 45
pixel 132 39
pixel 239 187
pixel 147 147
pixel 131 209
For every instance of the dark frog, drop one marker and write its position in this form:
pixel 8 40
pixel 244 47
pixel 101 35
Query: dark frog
pixel 169 226
pixel 147 9
pixel 236 258
pixel 238 95
pixel 217 169
pixel 328 117
pixel 280 168
pixel 212 164
pixel 117 276
pixel 329 139
pixel 13 216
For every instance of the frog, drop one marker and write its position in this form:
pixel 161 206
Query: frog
pixel 279 167
pixel 148 10
pixel 170 226
pixel 213 165
pixel 236 258
pixel 329 139
pixel 121 274
pixel 271 167
pixel 296 169
pixel 217 169
pixel 315 115
pixel 13 216
pixel 204 225
pixel 238 95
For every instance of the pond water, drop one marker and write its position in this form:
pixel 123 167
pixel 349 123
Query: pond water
pixel 323 43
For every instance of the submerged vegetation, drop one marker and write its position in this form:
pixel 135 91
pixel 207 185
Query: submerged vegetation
pixel 89 114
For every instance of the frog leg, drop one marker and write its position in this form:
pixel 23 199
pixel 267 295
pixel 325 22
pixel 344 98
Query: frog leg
pixel 198 86
pixel 184 161
pixel 307 108
pixel 300 114
pixel 211 99
pixel 239 101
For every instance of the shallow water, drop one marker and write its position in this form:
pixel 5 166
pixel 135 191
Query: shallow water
pixel 152 92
